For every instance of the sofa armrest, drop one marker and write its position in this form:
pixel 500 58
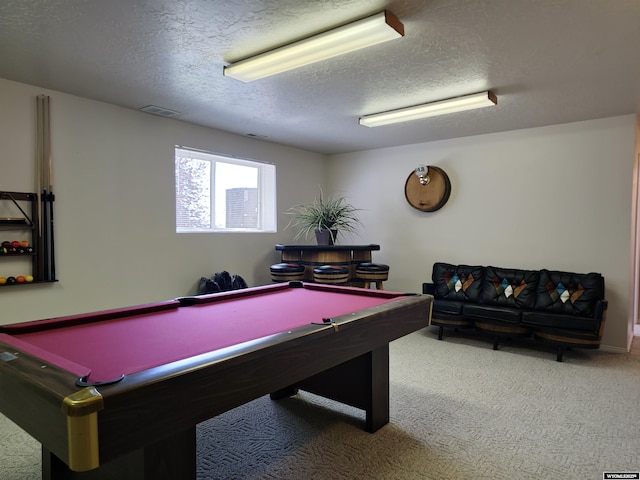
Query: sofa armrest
pixel 429 288
pixel 600 309
pixel 600 312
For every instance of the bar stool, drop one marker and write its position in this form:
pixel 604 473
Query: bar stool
pixel 366 273
pixel 331 274
pixel 286 272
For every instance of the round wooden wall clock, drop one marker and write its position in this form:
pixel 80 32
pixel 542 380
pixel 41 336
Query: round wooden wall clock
pixel 427 188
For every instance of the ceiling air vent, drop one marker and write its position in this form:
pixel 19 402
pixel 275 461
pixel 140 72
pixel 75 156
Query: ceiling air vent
pixel 163 112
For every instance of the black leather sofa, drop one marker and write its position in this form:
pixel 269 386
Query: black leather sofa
pixel 563 308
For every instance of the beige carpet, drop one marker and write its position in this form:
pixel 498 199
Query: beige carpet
pixel 459 410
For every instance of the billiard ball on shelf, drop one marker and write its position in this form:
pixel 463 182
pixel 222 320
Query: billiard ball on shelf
pixel 20 279
pixel 11 280
pixel 28 250
pixel 15 244
pixel 6 244
pixel 3 280
pixel 28 278
pixel 24 244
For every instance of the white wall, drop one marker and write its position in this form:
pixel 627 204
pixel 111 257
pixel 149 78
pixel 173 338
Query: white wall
pixel 556 197
pixel 115 205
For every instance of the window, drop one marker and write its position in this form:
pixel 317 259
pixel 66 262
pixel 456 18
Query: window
pixel 215 193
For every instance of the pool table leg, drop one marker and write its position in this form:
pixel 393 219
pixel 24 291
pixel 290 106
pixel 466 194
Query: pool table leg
pixel 362 382
pixel 168 459
pixel 378 410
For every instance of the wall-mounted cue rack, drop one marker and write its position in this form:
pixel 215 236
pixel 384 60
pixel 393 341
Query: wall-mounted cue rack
pixel 22 252
pixel 44 178
pixel 30 235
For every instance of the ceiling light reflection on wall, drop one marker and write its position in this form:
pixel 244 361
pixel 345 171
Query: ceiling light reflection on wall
pixel 451 105
pixel 369 31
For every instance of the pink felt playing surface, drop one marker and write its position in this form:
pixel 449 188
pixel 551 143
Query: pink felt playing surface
pixel 134 343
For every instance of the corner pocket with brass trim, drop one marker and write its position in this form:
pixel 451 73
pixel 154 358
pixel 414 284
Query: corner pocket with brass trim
pixel 81 409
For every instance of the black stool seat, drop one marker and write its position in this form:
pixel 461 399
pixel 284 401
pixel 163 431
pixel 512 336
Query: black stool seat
pixel 286 272
pixel 372 272
pixel 331 274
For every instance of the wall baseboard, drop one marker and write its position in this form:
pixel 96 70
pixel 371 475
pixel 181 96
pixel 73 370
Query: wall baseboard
pixel 608 348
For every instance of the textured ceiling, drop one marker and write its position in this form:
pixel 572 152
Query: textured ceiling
pixel 548 61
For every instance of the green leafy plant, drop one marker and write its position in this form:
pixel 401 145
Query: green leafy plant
pixel 332 213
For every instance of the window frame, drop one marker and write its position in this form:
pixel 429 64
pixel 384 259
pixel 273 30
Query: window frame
pixel 266 191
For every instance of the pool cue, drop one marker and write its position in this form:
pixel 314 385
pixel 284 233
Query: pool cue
pixel 52 260
pixel 38 248
pixel 46 175
pixel 45 205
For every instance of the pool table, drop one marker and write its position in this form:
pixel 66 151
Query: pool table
pixel 118 393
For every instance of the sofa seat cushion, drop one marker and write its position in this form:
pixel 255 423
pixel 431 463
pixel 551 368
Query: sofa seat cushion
pixel 509 287
pixel 569 293
pixel 492 313
pixel 447 306
pixel 461 283
pixel 553 320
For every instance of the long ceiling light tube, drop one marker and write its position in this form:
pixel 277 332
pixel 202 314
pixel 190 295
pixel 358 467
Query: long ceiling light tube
pixel 369 31
pixel 451 105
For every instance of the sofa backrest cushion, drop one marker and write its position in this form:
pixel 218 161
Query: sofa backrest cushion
pixel 569 293
pixel 461 283
pixel 509 287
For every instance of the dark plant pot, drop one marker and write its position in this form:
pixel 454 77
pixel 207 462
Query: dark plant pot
pixel 324 237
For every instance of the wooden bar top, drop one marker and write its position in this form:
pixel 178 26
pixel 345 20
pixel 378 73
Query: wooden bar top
pixel 356 248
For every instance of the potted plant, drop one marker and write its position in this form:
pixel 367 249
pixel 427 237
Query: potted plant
pixel 325 217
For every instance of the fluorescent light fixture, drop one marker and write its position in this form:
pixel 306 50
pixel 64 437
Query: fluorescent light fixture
pixel 458 104
pixel 347 38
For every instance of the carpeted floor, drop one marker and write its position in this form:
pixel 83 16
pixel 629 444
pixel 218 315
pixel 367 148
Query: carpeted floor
pixel 459 410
